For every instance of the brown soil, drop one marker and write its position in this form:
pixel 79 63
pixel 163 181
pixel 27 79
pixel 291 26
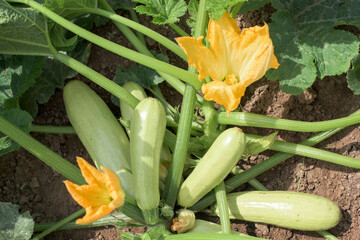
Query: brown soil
pixel 28 182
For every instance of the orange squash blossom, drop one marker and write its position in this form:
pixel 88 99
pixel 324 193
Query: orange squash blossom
pixel 234 59
pixel 102 194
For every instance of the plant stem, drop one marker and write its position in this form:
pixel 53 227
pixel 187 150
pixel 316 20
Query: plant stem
pixel 97 78
pixel 236 9
pixel 327 235
pixel 59 224
pixel 179 30
pixel 183 133
pixel 140 28
pixel 223 207
pixel 108 220
pixel 158 65
pixel 133 16
pixel 209 236
pixel 52 129
pixel 257 120
pixel 256 170
pixel 58 163
pixel 307 151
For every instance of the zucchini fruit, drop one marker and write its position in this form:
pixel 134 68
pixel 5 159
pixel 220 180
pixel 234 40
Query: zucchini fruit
pixel 137 91
pixel 147 131
pixel 99 131
pixel 292 210
pixel 215 165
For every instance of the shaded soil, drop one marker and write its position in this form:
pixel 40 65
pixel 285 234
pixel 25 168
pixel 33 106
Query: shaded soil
pixel 26 181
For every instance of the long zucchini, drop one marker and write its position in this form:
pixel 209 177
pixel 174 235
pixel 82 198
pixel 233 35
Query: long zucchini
pixel 147 131
pixel 99 131
pixel 292 210
pixel 215 165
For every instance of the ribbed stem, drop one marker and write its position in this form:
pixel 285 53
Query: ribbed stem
pixel 40 151
pixel 223 207
pixel 179 30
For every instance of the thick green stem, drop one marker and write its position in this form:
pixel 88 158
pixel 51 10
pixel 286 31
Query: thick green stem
pixel 105 221
pixel 97 78
pixel 307 151
pixel 59 224
pixel 257 120
pixel 223 207
pixel 256 170
pixel 58 163
pixel 158 65
pixel 179 30
pixel 236 9
pixel 209 236
pixel 183 133
pixel 140 28
pixel 53 129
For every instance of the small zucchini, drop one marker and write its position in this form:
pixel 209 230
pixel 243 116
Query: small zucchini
pixel 137 91
pixel 292 210
pixel 147 131
pixel 215 165
pixel 99 131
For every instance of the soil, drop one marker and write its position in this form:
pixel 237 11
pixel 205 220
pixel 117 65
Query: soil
pixel 28 182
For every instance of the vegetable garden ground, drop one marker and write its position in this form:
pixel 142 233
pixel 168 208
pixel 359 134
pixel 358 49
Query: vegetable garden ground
pixel 28 182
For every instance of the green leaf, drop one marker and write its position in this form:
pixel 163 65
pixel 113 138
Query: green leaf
pixel 216 8
pixel 252 5
pixel 53 76
pixel 162 11
pixel 193 7
pixel 13 225
pixel 17 74
pixel 22 31
pixel 59 40
pixel 22 120
pixel 70 9
pixel 307 45
pixel 353 75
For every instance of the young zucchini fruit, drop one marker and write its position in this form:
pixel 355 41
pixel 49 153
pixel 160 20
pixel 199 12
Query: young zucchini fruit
pixel 147 131
pixel 99 131
pixel 215 165
pixel 137 91
pixel 292 210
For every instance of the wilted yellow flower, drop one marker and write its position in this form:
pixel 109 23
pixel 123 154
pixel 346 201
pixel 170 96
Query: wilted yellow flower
pixel 234 59
pixel 102 194
pixel 184 222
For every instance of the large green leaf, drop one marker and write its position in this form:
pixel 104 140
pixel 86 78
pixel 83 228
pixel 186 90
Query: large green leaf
pixel 163 11
pixel 306 43
pixel 353 75
pixel 22 31
pixel 216 8
pixel 17 74
pixel 251 5
pixel 13 225
pixel 53 76
pixel 70 9
pixel 22 120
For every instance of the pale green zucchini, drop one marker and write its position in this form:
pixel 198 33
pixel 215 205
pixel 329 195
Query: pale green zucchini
pixel 99 131
pixel 215 165
pixel 292 210
pixel 137 91
pixel 147 131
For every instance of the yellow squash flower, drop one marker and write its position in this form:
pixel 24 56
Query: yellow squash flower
pixel 102 194
pixel 234 59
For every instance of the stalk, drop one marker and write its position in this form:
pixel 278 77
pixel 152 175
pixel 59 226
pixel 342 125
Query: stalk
pixel 327 235
pixel 97 78
pixel 307 151
pixel 236 9
pixel 256 170
pixel 59 224
pixel 179 30
pixel 40 151
pixel 173 179
pixel 223 206
pixel 257 120
pixel 158 65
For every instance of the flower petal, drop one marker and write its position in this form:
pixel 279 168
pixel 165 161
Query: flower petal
pixel 90 173
pixel 224 94
pixel 93 214
pixel 113 185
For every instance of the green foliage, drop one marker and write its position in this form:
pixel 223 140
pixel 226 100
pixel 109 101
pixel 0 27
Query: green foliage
pixel 22 31
pixel 13 225
pixel 163 11
pixel 60 41
pixel 193 7
pixel 251 5
pixel 22 120
pixel 70 9
pixel 353 75
pixel 306 43
pixel 216 8
pixel 17 74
